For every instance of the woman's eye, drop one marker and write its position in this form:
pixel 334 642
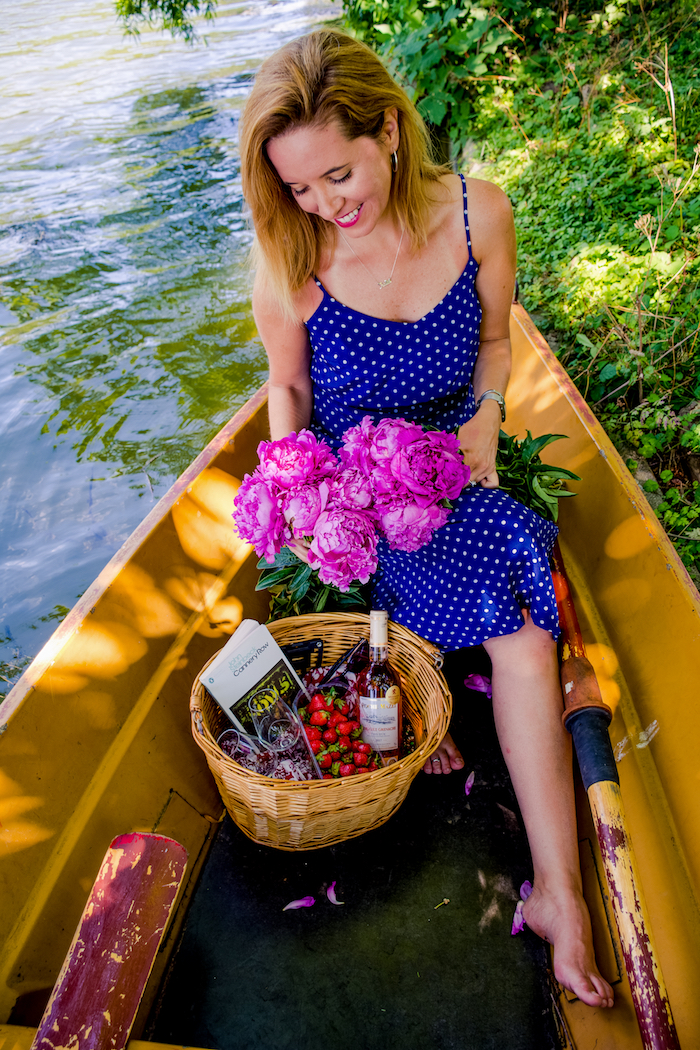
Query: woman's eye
pixel 298 193
pixel 337 182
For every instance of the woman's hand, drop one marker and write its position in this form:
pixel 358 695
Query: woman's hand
pixel 478 439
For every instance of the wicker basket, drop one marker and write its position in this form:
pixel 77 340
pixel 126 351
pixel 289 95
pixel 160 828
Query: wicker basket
pixel 294 815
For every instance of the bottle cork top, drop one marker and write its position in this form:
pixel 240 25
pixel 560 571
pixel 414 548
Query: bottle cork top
pixel 378 627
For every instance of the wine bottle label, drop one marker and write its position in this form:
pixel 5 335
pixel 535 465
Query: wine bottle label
pixel 380 720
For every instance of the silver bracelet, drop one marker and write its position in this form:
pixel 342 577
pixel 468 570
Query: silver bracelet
pixel 493 395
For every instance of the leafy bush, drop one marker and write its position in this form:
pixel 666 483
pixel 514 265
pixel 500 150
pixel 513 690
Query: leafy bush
pixel 588 116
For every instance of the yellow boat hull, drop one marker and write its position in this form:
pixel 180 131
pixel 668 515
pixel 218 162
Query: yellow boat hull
pixel 95 738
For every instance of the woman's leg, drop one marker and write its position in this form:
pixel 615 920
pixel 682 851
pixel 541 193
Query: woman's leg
pixel 527 706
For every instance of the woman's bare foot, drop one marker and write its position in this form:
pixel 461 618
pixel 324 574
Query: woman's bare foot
pixel 445 758
pixel 564 923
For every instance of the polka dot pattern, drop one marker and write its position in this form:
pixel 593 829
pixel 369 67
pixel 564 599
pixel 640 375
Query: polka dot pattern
pixel 491 558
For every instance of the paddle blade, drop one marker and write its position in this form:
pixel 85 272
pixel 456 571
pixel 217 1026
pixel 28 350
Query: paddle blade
pixel 99 988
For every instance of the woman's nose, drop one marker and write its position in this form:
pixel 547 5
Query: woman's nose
pixel 329 204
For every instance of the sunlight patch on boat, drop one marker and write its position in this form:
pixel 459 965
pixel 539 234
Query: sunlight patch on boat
pixel 606 665
pixel 628 539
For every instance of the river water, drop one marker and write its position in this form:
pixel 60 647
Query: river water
pixel 126 338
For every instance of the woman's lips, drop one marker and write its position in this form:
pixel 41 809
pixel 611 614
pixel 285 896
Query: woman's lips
pixel 351 218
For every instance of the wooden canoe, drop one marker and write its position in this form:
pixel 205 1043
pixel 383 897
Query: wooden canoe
pixel 95 737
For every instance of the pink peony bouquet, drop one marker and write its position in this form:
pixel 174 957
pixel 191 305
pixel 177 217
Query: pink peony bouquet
pixel 392 479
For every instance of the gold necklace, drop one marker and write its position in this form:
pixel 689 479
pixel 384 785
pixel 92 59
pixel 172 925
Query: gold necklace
pixel 387 280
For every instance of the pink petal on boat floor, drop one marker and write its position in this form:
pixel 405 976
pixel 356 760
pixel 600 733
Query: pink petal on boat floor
pixel 479 683
pixel 469 783
pixel 518 920
pixel 303 902
pixel 330 893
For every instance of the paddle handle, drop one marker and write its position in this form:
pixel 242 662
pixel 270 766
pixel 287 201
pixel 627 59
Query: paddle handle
pixel 587 718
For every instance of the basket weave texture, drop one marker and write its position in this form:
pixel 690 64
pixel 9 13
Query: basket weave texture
pixel 296 815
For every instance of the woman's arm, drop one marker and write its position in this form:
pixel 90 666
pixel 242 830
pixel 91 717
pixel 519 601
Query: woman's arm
pixel 287 347
pixel 493 245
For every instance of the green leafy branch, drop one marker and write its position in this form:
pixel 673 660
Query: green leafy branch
pixel 296 589
pixel 174 15
pixel 527 479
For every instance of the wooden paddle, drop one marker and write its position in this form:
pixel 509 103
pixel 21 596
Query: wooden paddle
pixel 99 988
pixel 587 718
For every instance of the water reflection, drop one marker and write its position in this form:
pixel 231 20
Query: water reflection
pixel 125 325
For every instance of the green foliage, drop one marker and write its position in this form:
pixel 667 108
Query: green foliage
pixel 526 478
pixel 174 15
pixel 296 589
pixel 588 116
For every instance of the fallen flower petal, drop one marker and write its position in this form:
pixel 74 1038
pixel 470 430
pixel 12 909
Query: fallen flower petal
pixel 525 890
pixel 330 893
pixel 469 784
pixel 518 920
pixel 479 683
pixel 303 902
pixel 445 900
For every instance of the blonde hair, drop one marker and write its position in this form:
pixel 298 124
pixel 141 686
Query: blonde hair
pixel 314 80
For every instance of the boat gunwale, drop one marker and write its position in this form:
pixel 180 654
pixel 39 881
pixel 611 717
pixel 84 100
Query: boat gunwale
pixel 82 608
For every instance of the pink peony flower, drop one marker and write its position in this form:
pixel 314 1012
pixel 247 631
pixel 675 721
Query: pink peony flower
pixel 351 488
pixel 344 547
pixel 258 517
pixel 298 459
pixel 302 506
pixel 431 467
pixel 356 450
pixel 391 435
pixel 409 527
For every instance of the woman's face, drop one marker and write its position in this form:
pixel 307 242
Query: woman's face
pixel 345 181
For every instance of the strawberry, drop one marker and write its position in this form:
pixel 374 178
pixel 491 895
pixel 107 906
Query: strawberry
pixel 346 728
pixel 362 746
pixel 327 701
pixel 344 743
pixel 303 713
pixel 328 776
pixel 346 757
pixel 330 736
pixel 325 761
pixel 316 746
pixel 335 719
pixel 344 708
pixel 312 732
pixel 319 718
pixel 347 769
pixel 360 758
pixel 318 703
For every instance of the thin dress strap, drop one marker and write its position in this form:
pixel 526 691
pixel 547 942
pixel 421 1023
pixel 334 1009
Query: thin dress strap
pixel 466 214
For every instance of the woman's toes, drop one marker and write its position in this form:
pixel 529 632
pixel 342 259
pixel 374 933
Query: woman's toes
pixel 445 758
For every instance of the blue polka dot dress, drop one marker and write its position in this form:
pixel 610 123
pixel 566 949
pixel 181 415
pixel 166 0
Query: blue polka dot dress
pixel 491 558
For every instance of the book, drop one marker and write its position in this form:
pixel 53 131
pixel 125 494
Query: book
pixel 256 686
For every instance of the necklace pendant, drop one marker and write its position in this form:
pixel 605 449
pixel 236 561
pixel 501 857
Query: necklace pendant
pixel 385 282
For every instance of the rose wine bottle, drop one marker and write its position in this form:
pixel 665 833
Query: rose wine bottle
pixel 379 689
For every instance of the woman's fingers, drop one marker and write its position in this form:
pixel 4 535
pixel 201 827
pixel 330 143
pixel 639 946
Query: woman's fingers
pixel 490 480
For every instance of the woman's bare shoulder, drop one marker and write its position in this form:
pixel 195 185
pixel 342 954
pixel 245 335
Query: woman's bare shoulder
pixel 487 202
pixel 267 309
pixel 490 216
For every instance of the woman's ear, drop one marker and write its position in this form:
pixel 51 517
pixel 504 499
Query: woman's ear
pixel 391 129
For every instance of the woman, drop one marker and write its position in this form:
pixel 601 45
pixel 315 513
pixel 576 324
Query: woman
pixel 383 287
